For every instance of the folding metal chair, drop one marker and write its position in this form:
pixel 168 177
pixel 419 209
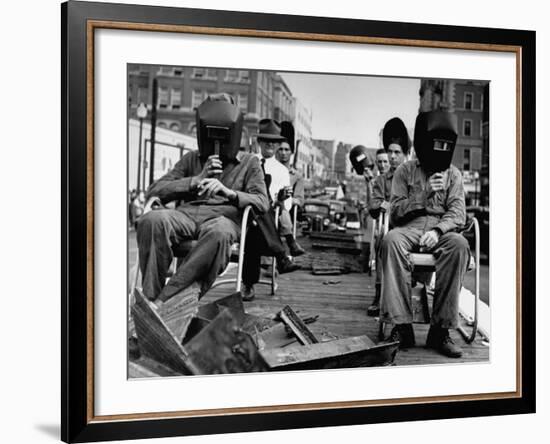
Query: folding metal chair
pixel 181 250
pixel 425 262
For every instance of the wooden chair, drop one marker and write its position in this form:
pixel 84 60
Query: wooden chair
pixel 425 263
pixel 181 250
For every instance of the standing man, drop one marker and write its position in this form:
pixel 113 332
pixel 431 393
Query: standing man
pixel 427 206
pixel 283 155
pixel 396 147
pixel 213 186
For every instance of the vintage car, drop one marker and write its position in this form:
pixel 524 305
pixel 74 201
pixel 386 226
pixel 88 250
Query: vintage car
pixel 316 215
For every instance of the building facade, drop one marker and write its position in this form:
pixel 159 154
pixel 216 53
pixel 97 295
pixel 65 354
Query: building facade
pixel 469 100
pixel 182 89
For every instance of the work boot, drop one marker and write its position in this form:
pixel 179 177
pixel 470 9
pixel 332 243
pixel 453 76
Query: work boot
pixel 440 340
pixel 404 334
pixel 293 246
pixel 374 308
pixel 285 265
pixel 247 293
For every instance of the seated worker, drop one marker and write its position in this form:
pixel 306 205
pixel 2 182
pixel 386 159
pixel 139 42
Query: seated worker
pixel 263 239
pixel 396 146
pixel 427 206
pixel 283 155
pixel 363 165
pixel 382 161
pixel 213 185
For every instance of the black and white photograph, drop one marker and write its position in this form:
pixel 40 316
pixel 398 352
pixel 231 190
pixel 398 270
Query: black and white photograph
pixel 282 221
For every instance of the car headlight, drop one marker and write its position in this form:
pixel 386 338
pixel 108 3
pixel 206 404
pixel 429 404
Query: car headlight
pixel 326 222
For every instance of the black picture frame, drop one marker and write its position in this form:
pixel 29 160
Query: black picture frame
pixel 78 424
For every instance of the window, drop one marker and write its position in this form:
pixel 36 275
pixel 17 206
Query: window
pixel 162 125
pixel 468 100
pixel 198 97
pixel 211 73
pixel 175 98
pixel 242 102
pixel 467 128
pixel 243 76
pixel 198 73
pixel 231 75
pixel 166 70
pixel 175 126
pixel 142 95
pixel 178 72
pixel 163 97
pixel 466 159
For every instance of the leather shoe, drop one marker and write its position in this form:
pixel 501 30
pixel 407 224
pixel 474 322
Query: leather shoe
pixel 295 249
pixel 285 265
pixel 404 334
pixel 247 293
pixel 440 340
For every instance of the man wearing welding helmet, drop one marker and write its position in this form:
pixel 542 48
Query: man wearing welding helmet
pixel 397 144
pixel 427 207
pixel 213 186
pixel 363 165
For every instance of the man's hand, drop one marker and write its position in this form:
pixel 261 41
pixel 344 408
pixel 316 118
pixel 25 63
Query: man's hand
pixel 212 187
pixel 429 240
pixel 368 174
pixel 436 182
pixel 385 206
pixel 212 168
pixel 284 194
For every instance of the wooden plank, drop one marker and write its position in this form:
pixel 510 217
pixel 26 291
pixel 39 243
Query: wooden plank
pixel 154 337
pixel 298 327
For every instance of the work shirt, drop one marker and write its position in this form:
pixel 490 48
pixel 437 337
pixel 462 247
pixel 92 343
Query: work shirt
pixel 381 191
pixel 412 205
pixel 243 175
pixel 297 184
pixel 280 178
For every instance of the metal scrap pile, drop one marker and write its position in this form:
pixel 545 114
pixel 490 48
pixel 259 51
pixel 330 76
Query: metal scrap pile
pixel 220 337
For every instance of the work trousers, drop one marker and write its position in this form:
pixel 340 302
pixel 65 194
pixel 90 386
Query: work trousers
pixel 452 257
pixel 262 239
pixel 161 232
pixel 285 223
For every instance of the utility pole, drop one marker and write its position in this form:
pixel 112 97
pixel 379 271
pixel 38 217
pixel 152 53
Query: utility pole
pixel 153 130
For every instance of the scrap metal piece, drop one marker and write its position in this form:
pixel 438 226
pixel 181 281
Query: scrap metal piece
pixel 358 351
pixel 298 327
pixel 223 347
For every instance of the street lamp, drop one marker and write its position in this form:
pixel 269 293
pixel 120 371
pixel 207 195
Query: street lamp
pixel 476 182
pixel 142 114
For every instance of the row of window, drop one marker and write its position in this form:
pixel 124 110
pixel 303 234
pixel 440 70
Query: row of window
pixel 172 98
pixel 230 75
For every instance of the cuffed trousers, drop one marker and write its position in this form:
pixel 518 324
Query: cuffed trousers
pixel 161 232
pixel 452 256
pixel 285 221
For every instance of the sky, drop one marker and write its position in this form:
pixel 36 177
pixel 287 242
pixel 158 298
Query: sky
pixel 353 109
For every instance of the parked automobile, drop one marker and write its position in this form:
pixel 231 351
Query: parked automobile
pixel 316 215
pixel 353 221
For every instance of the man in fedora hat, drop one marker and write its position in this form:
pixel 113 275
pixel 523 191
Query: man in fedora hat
pixel 264 240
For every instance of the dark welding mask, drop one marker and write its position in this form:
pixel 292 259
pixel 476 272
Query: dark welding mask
pixel 394 131
pixel 219 127
pixel 360 159
pixel 435 135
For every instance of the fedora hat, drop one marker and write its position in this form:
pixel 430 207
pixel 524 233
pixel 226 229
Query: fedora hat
pixel 270 129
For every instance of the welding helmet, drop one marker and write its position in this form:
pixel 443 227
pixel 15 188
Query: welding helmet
pixel 219 127
pixel 435 135
pixel 360 159
pixel 395 132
